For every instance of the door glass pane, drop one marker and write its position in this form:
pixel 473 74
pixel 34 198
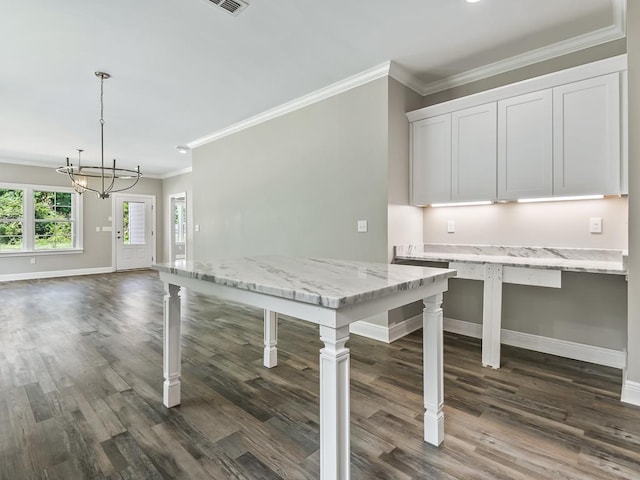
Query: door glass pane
pixel 180 222
pixel 133 223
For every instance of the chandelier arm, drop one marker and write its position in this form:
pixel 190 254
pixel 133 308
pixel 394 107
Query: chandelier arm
pixel 120 173
pixel 127 188
pixel 113 180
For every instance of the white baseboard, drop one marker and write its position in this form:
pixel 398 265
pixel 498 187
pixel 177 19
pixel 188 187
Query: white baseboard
pixel 468 329
pixel 384 333
pixel 400 329
pixel 630 392
pixel 553 346
pixel 370 330
pixel 54 274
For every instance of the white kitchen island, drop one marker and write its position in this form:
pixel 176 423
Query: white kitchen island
pixel 332 294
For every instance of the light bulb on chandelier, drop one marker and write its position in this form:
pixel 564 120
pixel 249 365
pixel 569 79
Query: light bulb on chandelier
pixel 110 179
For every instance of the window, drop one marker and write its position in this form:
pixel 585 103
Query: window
pixel 53 220
pixel 39 219
pixel 11 219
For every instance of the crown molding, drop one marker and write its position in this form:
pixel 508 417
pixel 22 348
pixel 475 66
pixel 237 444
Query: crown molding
pixel 175 173
pixel 29 163
pixel 342 86
pixel 405 77
pixel 592 39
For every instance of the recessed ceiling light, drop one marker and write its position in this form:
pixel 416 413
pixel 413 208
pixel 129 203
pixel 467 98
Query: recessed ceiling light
pixel 183 149
pixel 472 1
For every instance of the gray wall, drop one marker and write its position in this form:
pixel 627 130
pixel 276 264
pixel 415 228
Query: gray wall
pixel 170 186
pixel 96 212
pixel 633 36
pixel 297 184
pixel 590 309
pixel 404 220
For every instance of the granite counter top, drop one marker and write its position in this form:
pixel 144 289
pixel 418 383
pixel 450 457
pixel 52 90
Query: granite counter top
pixel 589 260
pixel 330 283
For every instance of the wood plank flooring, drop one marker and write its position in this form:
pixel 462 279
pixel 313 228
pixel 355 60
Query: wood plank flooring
pixel 81 398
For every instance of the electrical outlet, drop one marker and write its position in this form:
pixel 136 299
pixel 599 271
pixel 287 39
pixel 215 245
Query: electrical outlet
pixel 595 225
pixel 362 226
pixel 33 260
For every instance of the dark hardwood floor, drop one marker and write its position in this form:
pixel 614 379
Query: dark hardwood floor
pixel 81 398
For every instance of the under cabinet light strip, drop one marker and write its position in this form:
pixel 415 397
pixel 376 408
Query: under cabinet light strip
pixel 461 204
pixel 560 199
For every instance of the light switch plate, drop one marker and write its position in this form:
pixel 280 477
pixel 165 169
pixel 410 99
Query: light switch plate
pixel 451 226
pixel 362 226
pixel 595 225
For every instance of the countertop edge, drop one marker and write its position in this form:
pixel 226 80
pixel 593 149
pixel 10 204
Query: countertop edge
pixel 582 266
pixel 333 302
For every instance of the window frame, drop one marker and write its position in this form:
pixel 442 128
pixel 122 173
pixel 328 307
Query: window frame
pixel 29 220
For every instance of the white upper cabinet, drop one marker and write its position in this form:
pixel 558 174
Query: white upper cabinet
pixel 586 141
pixel 473 154
pixel 561 134
pixel 431 160
pixel 525 152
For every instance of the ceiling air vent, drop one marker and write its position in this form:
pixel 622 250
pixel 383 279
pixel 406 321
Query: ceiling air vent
pixel 234 7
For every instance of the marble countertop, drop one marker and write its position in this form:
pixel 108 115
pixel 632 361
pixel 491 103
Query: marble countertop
pixel 588 260
pixel 330 283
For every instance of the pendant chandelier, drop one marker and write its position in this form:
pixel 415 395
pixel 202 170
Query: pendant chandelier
pixel 100 179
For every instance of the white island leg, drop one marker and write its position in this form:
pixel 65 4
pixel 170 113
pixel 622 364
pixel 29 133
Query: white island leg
pixel 433 370
pixel 270 339
pixel 334 404
pixel 491 315
pixel 172 347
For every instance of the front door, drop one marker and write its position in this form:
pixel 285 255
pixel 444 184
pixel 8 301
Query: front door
pixel 134 235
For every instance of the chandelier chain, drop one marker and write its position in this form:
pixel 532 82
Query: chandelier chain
pixel 102 99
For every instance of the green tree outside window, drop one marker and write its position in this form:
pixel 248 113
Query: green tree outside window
pixel 53 220
pixel 11 218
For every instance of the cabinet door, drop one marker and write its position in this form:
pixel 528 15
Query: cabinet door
pixel 586 142
pixel 525 160
pixel 473 153
pixel 431 160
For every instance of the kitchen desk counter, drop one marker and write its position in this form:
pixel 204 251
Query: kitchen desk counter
pixel 588 260
pixel 495 265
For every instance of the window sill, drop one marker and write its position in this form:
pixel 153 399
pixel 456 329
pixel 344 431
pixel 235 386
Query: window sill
pixel 37 253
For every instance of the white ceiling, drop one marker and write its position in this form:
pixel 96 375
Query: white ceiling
pixel 183 69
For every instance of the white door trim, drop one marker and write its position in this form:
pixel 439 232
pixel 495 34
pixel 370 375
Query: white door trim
pixel 114 197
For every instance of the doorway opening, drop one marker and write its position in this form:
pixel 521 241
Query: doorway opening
pixel 178 222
